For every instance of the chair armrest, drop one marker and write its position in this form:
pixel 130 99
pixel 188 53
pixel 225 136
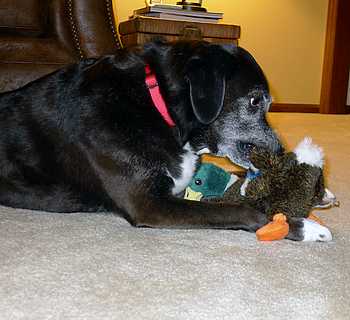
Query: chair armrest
pixel 88 26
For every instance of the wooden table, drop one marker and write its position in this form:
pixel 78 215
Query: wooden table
pixel 143 29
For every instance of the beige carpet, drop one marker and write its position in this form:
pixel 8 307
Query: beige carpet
pixel 89 266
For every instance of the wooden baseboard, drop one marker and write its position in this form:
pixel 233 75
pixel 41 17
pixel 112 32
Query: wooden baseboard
pixel 295 107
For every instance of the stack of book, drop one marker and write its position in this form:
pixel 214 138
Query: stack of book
pixel 175 12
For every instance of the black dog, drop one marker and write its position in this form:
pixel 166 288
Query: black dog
pixel 89 137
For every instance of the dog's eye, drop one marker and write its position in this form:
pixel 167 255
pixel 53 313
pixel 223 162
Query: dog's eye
pixel 198 182
pixel 255 101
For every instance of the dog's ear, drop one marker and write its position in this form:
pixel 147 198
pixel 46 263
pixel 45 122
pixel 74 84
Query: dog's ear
pixel 207 90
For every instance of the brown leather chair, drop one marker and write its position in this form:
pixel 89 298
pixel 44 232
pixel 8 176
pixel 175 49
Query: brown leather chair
pixel 40 36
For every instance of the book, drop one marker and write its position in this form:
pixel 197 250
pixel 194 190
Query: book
pixel 165 6
pixel 168 16
pixel 177 10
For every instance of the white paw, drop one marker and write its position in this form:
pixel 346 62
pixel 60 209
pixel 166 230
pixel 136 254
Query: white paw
pixel 315 232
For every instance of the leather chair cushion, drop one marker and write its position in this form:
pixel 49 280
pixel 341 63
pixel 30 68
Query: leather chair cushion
pixel 33 50
pixel 22 17
pixel 15 75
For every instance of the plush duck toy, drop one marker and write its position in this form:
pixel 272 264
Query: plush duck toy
pixel 210 181
pixel 281 186
pixel 213 178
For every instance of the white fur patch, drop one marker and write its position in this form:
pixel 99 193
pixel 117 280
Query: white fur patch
pixel 188 167
pixel 309 153
pixel 315 232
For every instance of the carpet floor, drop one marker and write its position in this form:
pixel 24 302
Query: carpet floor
pixel 96 266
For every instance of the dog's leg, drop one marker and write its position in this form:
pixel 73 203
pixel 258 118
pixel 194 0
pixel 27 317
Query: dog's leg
pixel 172 212
pixel 52 198
pixel 307 230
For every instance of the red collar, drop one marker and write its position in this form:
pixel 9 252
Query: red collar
pixel 158 101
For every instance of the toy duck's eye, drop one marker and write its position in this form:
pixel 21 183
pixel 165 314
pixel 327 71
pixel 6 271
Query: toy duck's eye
pixel 255 101
pixel 198 182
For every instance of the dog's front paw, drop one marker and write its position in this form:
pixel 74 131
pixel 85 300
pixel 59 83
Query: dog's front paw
pixel 308 230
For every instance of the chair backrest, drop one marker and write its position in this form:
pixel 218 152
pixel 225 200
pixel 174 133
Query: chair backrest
pixel 40 36
pixel 18 17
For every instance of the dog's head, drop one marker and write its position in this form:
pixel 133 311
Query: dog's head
pixel 224 95
pixel 242 124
